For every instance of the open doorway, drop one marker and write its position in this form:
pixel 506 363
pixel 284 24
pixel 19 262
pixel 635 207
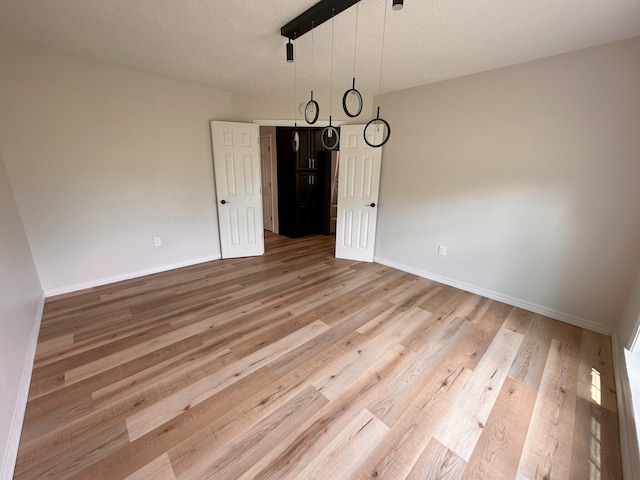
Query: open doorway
pixel 312 195
pixel 299 188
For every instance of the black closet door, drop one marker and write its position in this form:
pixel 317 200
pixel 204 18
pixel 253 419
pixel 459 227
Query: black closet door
pixel 300 182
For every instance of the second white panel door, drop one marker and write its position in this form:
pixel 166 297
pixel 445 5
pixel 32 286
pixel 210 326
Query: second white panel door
pixel 358 187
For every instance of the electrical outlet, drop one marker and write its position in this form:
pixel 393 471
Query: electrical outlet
pixel 442 250
pixel 157 242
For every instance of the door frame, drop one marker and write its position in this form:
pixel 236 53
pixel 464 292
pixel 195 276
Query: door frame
pixel 271 132
pixel 265 126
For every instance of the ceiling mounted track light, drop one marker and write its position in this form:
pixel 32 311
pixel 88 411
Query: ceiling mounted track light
pixel 397 4
pixel 315 16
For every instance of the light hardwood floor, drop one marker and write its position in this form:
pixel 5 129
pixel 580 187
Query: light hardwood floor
pixel 298 365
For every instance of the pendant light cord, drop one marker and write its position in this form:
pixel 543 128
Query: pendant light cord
pixel 333 21
pixel 312 105
pixel 355 39
pixel 330 130
pixel 378 120
pixel 312 49
pixel 295 87
pixel 384 28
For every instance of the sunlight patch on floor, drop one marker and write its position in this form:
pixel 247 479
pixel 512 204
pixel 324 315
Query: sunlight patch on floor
pixel 595 451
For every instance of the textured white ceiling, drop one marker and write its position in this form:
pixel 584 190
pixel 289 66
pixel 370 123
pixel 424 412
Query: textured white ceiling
pixel 235 45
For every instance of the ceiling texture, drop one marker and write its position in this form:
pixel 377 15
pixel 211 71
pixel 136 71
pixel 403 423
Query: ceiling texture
pixel 236 46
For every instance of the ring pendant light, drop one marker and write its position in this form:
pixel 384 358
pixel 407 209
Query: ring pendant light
pixel 316 15
pixel 353 95
pixel 330 131
pixel 311 110
pixel 377 122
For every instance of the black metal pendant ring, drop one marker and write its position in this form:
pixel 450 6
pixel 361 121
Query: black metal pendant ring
pixel 381 120
pixel 330 131
pixel 352 90
pixel 310 104
pixel 295 140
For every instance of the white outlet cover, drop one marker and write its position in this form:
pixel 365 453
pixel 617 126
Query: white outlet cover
pixel 157 242
pixel 442 250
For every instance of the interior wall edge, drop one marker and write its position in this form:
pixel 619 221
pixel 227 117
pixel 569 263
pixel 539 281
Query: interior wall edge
pixel 629 450
pixel 52 292
pixel 493 295
pixel 11 453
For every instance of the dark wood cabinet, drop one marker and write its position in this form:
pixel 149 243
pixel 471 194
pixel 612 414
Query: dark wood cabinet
pixel 300 182
pixel 310 148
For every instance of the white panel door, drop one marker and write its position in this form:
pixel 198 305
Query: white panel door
pixel 358 186
pixel 236 164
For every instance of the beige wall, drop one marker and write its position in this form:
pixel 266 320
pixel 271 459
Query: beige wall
pixel 247 108
pixel 529 174
pixel 20 294
pixel 630 320
pixel 102 160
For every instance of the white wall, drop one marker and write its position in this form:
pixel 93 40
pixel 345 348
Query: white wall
pixel 628 323
pixel 247 107
pixel 102 160
pixel 529 174
pixel 20 311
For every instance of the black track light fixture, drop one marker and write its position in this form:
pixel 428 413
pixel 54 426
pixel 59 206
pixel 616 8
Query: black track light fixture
pixel 397 4
pixel 290 52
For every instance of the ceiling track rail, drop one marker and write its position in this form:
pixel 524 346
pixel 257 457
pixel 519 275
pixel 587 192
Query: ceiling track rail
pixel 315 16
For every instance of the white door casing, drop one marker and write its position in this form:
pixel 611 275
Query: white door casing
pixel 358 187
pixel 266 158
pixel 236 163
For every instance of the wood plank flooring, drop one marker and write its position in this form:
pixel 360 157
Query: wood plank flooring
pixel 296 365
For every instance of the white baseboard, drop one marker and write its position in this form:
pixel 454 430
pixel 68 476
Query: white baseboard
pixel 629 449
pixel 516 302
pixel 127 276
pixel 11 454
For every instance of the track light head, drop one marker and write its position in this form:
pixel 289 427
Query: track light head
pixel 290 52
pixel 397 4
